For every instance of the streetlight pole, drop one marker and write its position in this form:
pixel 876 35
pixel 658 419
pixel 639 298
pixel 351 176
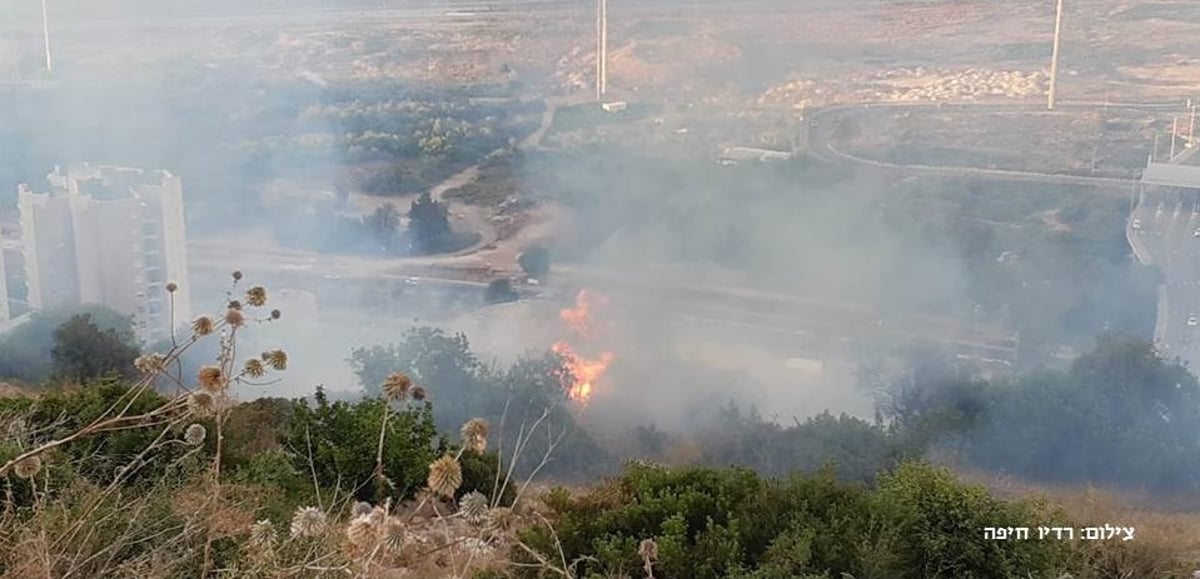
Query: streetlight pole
pixel 1054 56
pixel 46 38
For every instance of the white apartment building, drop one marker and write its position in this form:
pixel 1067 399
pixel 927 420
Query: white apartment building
pixel 108 235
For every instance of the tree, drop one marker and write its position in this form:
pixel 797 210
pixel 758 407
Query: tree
pixel 429 221
pixel 500 291
pixel 381 224
pixel 83 352
pixel 535 261
pixel 25 350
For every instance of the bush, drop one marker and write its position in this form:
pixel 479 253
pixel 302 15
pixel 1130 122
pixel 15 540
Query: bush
pixel 500 291
pixel 535 261
pixel 938 525
pixel 342 439
pixel 58 413
pixel 920 522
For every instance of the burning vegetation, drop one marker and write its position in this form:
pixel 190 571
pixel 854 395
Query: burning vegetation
pixel 583 372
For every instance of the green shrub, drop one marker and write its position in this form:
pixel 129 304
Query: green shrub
pixel 938 524
pixel 920 522
pixel 341 440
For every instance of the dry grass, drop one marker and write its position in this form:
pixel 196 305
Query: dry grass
pixel 1167 536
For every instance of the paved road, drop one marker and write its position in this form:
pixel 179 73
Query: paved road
pixel 1163 231
pixel 822 148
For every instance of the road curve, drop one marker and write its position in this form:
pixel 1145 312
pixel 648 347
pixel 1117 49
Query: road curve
pixel 826 151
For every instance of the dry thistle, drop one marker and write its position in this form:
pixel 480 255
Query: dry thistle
pixel 201 403
pixel 256 296
pixel 501 520
pixel 474 507
pixel 171 287
pixel 150 363
pixel 418 393
pixel 397 387
pixel 28 467
pixel 308 522
pixel 275 314
pixel 234 305
pixel 361 533
pixel 262 534
pixel 202 326
pixel 237 276
pixel 475 547
pixel 254 368
pixel 211 378
pixel 648 550
pixel 394 534
pixel 445 476
pixel 475 435
pixel 277 359
pixel 234 318
pixel 195 434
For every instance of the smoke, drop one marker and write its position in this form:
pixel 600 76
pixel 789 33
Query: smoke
pixel 761 283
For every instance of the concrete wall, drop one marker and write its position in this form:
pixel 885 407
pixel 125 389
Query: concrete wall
pixel 48 237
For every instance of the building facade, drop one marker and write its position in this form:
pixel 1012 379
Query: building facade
pixel 112 236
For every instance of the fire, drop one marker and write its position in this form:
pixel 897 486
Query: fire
pixel 583 372
pixel 581 318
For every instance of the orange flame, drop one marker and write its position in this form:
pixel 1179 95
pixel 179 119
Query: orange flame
pixel 583 372
pixel 580 318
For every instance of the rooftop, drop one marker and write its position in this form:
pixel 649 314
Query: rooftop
pixel 102 181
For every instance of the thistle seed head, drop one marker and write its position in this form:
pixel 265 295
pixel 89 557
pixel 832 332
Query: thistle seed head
pixel 195 434
pixel 254 368
pixel 256 296
pixel 211 378
pixel 234 318
pixel 475 435
pixel 150 363
pixel 445 476
pixel 308 522
pixel 28 467
pixel 474 507
pixel 276 359
pixel 202 326
pixel 201 403
pixel 397 387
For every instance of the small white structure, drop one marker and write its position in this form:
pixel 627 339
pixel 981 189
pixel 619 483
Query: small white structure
pixel 754 154
pixel 614 107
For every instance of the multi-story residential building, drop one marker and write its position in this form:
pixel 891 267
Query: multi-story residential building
pixel 108 235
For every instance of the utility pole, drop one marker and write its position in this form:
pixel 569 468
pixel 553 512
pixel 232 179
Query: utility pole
pixel 1054 56
pixel 46 38
pixel 1192 129
pixel 1174 131
pixel 601 49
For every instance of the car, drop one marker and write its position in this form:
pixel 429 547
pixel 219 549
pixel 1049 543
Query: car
pixel 1196 233
pixel 1192 320
pixel 1137 223
pixel 412 281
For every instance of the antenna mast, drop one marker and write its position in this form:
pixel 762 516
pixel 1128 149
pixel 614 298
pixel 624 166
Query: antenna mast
pixel 1054 55
pixel 46 38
